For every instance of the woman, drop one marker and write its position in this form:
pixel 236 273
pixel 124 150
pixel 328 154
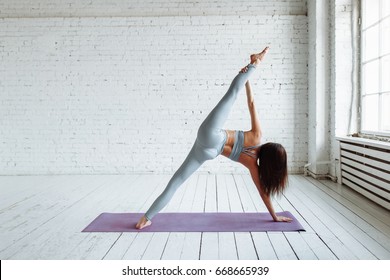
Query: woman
pixel 269 176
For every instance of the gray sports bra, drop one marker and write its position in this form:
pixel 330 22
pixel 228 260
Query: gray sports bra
pixel 238 147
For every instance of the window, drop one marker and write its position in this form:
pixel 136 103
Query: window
pixel 375 67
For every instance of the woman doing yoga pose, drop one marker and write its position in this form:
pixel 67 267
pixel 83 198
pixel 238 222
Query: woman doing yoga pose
pixel 267 163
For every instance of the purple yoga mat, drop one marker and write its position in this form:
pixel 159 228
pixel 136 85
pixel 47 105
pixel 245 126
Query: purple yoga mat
pixel 193 222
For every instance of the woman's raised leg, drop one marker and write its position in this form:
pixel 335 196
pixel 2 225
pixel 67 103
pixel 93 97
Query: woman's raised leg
pixel 219 115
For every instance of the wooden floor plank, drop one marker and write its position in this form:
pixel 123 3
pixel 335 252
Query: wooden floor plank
pixel 138 246
pixel 74 219
pixel 211 194
pixel 288 206
pixel 120 246
pixel 245 247
pixel 281 246
pixel 318 246
pixel 210 206
pixel 353 200
pixel 254 194
pixel 176 200
pixel 22 188
pixel 341 226
pixel 333 224
pixel 174 246
pixel 209 246
pixel 332 241
pixel 300 247
pixel 264 248
pixel 200 194
pixel 120 203
pixel 377 226
pixel 255 197
pixel 156 247
pixel 315 244
pixel 143 205
pixel 10 185
pixel 142 189
pixel 52 199
pixel 354 225
pixel 183 199
pixel 227 247
pixel 94 246
pixel 192 240
pixel 245 197
pixel 191 246
pixel 188 198
pixel 41 222
pixel 223 204
pixel 234 198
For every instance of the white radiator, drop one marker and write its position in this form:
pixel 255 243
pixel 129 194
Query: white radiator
pixel 365 167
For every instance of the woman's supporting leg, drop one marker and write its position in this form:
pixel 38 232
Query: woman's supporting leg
pixel 193 161
pixel 219 115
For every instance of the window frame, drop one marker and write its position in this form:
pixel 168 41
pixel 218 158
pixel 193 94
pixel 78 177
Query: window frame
pixel 361 74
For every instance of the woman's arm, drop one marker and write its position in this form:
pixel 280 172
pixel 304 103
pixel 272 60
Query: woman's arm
pixel 256 129
pixel 266 198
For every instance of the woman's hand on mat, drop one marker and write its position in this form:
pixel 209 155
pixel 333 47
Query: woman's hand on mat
pixel 283 219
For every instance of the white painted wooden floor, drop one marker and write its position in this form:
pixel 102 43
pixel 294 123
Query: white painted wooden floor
pixel 41 217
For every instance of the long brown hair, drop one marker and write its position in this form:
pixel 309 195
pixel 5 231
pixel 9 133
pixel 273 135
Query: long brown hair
pixel 273 168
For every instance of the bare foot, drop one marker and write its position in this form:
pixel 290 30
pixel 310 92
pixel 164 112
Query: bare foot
pixel 142 223
pixel 258 57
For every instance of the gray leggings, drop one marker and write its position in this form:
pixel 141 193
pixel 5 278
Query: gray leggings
pixel 208 145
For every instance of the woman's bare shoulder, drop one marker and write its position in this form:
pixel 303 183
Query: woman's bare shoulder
pixel 252 138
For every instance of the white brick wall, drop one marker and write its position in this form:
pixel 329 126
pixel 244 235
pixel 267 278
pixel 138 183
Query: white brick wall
pixel 150 8
pixel 127 94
